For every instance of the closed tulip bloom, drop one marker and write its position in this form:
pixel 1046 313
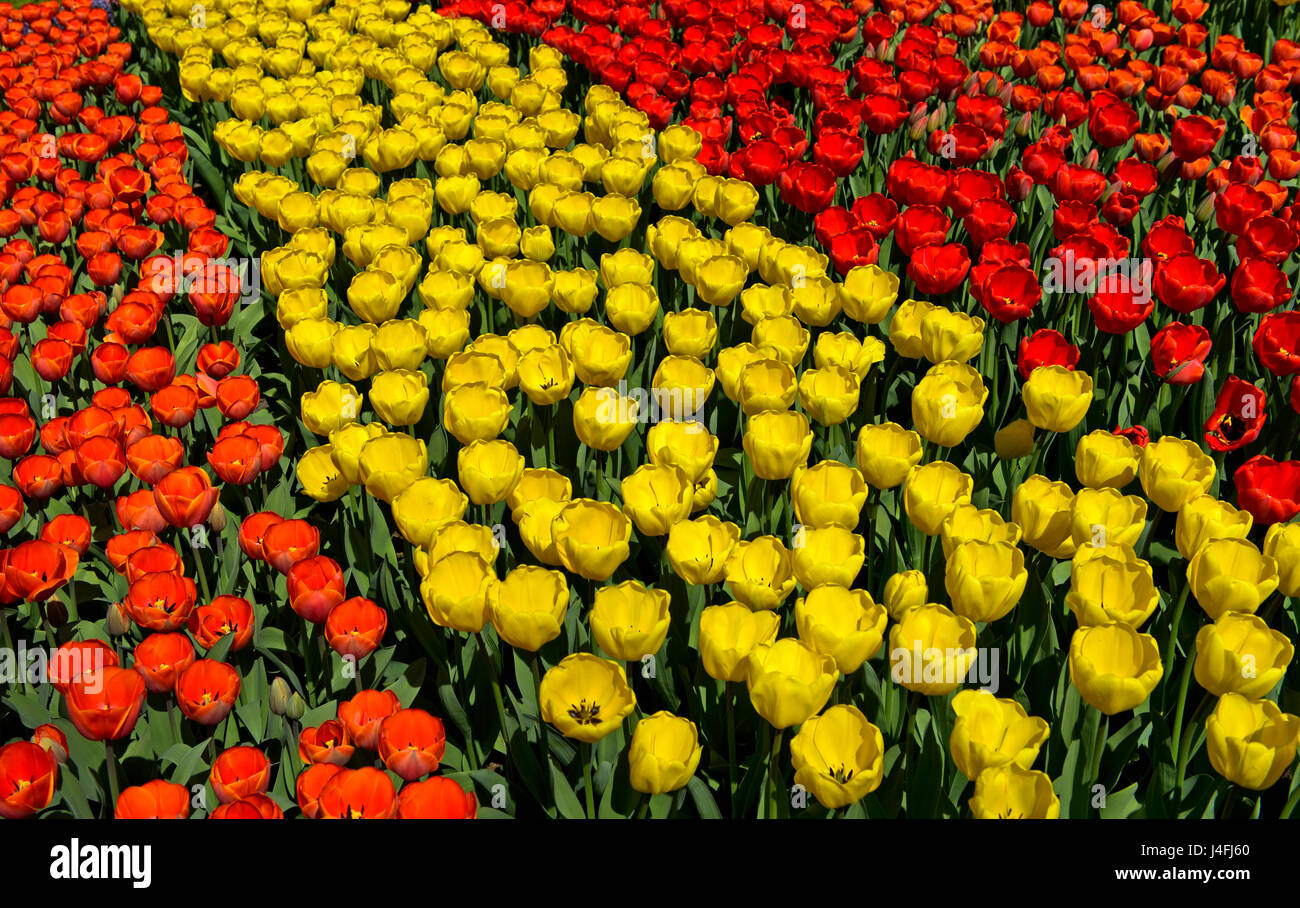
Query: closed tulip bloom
pixel 760 572
pixel 592 537
pixel 1241 654
pixel 829 494
pixel 766 384
pixel 776 442
pixel 1043 508
pixel 992 732
pixel 966 523
pixel 829 395
pixel 537 244
pixel 1012 792
pixel 931 491
pixel 600 355
pixel 789 681
pixel 427 505
pixel 905 328
pixel 630 621
pixel 457 589
pixel 985 580
pixel 838 756
pixel 528 287
pixel 488 470
pixel 436 798
pixel 664 753
pixel 1204 519
pixel 848 351
pixel 699 549
pixel 948 335
pixel 631 308
pixel 390 463
pixel 1251 742
pixel 684 444
pixel 719 279
pixel 400 344
pixel 1057 398
pixel 603 418
pixel 527 608
pixel 475 411
pixel 585 697
pixel 690 332
pixel 1100 517
pixel 842 623
pixel 575 290
pixel 657 497
pixel 728 633
pixel 1105 460
pixel 931 649
pixel 399 397
pixel 1110 583
pixel 479 366
pixel 1014 440
pixel 330 407
pixel 868 293
pixel 827 555
pixel 885 454
pixel 185 497
pixel 1174 471
pixel 905 590
pixel 1282 544
pixel 680 387
pixel 1114 667
pixel 1231 575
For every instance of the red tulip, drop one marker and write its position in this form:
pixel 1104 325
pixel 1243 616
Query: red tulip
pixel 1238 416
pixel 1268 489
pixel 104 703
pixel 436 798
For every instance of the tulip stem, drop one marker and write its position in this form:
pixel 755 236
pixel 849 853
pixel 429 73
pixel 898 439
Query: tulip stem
pixel 110 769
pixel 1172 645
pixel 1185 746
pixel 774 774
pixel 730 699
pixel 643 808
pixel 588 790
pixel 1290 805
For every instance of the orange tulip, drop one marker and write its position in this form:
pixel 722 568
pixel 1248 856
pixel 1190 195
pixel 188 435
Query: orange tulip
pixel 104 703
pixel 411 743
pixel 206 691
pixel 156 800
pixel 238 772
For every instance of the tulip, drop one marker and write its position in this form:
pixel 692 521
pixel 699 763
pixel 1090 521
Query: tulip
pixel 1057 398
pixel 931 649
pixel 1012 792
pixel 664 753
pixel 629 621
pixel 1114 667
pixel 1231 575
pixel 527 608
pixel 985 580
pixel 28 779
pixel 1173 471
pixel 829 395
pixel 1282 544
pixel 411 743
pixel 838 756
pixel 592 538
pixel 656 498
pixel 436 798
pixel 1251 742
pixel 932 491
pixel 885 454
pixel 760 572
pixel 966 523
pixel 1106 460
pixel 489 470
pixel 1110 583
pixel 827 555
pixel 185 497
pixel 829 494
pixel 990 733
pixel 585 697
pixel 788 681
pixel 388 464
pixel 776 442
pixel 154 800
pixel 699 549
pixel 239 772
pixel 948 335
pixel 728 633
pixel 1101 517
pixel 357 794
pixel 1240 654
pixel 842 623
pixel 399 397
pixel 1204 519
pixel 475 411
pixel 424 507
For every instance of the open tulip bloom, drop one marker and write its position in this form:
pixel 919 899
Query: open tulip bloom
pixel 628 409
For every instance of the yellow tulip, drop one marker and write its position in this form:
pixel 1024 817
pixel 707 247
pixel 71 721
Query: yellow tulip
pixel 1231 575
pixel 829 494
pixel 1114 667
pixel 905 590
pixel 330 406
pixel 838 756
pixel 931 650
pixel 868 293
pixel 684 444
pixel 966 523
pixel 489 470
pixel 1110 583
pixel 885 454
pixel 829 395
pixel 844 624
pixel 930 493
pixel 728 633
pixel 992 732
pixel 1251 742
pixel 656 497
pixel 690 332
pixel 1173 471
pixel 425 506
pixel 1100 517
pixel 592 537
pixel 399 397
pixel 664 753
pixel 776 442
pixel 1282 544
pixel 1103 459
pixel 948 335
pixel 585 697
pixel 456 591
pixel 1204 519
pixel 1057 398
pixel 320 477
pixel 630 621
pixel 390 463
pixel 905 327
pixel 475 411
pixel 1013 793
pixel 985 580
pixel 699 549
pixel 546 375
pixel 827 555
pixel 760 572
pixel 527 608
pixel 1241 654
pixel 1043 508
pixel 789 681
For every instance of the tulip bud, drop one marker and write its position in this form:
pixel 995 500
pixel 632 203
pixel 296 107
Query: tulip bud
pixel 1090 159
pixel 280 693
pixel 1025 124
pixel 917 130
pixel 217 519
pixel 992 88
pixel 971 85
pixel 296 706
pixel 884 51
pixel 1005 94
pixel 56 613
pixel 1205 208
pixel 1165 162
pixel 117 620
